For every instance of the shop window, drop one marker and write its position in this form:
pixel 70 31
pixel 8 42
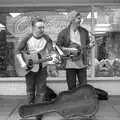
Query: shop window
pixel 107 27
pixel 102 22
pixel 20 24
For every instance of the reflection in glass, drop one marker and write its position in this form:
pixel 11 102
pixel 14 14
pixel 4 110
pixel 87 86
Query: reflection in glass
pixel 107 26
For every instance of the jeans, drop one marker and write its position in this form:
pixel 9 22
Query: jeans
pixel 72 74
pixel 35 85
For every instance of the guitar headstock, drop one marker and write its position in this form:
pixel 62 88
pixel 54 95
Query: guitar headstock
pixel 49 58
pixel 97 41
pixel 53 58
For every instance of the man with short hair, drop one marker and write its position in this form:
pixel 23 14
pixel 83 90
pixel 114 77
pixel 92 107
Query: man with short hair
pixel 39 43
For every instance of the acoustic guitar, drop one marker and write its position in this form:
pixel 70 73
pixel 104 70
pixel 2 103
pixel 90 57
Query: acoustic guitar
pixel 32 60
pixel 74 51
pixel 80 102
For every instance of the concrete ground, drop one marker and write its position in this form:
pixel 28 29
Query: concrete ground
pixel 108 110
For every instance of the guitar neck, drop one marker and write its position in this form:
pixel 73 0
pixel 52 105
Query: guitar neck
pixel 74 49
pixel 42 60
pixel 65 48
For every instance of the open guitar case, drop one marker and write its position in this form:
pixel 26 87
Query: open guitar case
pixel 82 102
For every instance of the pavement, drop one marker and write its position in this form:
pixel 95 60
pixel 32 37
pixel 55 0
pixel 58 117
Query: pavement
pixel 108 110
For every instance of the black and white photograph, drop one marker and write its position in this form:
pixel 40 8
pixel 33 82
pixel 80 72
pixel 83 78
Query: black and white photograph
pixel 59 60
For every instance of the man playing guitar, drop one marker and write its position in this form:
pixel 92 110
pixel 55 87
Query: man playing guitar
pixel 76 38
pixel 37 44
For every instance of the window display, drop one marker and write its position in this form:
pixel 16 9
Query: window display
pixel 55 21
pixel 102 22
pixel 107 26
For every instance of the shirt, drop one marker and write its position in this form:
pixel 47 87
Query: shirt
pixel 75 37
pixel 36 45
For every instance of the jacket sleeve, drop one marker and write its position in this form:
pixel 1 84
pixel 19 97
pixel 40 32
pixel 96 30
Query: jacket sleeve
pixel 87 38
pixel 22 44
pixel 60 39
pixel 49 43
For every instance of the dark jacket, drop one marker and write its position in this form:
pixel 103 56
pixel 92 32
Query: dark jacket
pixel 63 40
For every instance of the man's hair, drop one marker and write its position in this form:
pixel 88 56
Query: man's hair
pixel 73 14
pixel 36 19
pixel 77 14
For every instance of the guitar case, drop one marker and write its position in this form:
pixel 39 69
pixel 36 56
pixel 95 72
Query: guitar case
pixel 50 94
pixel 81 101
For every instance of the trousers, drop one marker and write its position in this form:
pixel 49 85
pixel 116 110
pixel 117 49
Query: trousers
pixel 73 74
pixel 35 85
